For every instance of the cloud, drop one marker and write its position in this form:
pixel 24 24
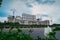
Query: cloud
pixel 41 9
pixel 44 15
pixel 2 19
pixel 45 1
pixel 58 21
pixel 29 5
pixel 21 6
pixel 35 7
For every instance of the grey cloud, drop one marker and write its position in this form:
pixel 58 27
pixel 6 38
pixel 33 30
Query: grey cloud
pixel 45 1
pixel 44 15
pixel 29 5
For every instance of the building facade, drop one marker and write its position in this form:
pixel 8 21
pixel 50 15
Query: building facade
pixel 27 19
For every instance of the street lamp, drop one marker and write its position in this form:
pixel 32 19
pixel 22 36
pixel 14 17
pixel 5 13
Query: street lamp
pixel 13 10
pixel 50 20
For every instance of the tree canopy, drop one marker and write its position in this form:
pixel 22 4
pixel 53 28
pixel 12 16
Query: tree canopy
pixel 0 2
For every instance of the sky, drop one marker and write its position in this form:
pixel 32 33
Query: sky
pixel 45 9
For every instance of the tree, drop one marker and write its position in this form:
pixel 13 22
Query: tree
pixel 0 2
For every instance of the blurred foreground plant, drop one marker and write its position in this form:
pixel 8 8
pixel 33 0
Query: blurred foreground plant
pixel 19 35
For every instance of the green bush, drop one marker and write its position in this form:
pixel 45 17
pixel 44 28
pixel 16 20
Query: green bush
pixel 19 35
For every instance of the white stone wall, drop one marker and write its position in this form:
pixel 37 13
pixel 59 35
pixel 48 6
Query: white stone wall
pixel 26 18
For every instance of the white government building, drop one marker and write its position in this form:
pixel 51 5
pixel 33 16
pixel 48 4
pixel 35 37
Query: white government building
pixel 27 19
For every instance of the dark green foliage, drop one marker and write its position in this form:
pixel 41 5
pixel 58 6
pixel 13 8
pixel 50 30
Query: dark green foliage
pixel 19 35
pixel 38 38
pixel 16 24
pixel 53 33
pixel 51 36
pixel 14 35
pixel 19 30
pixel 0 2
pixel 56 29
